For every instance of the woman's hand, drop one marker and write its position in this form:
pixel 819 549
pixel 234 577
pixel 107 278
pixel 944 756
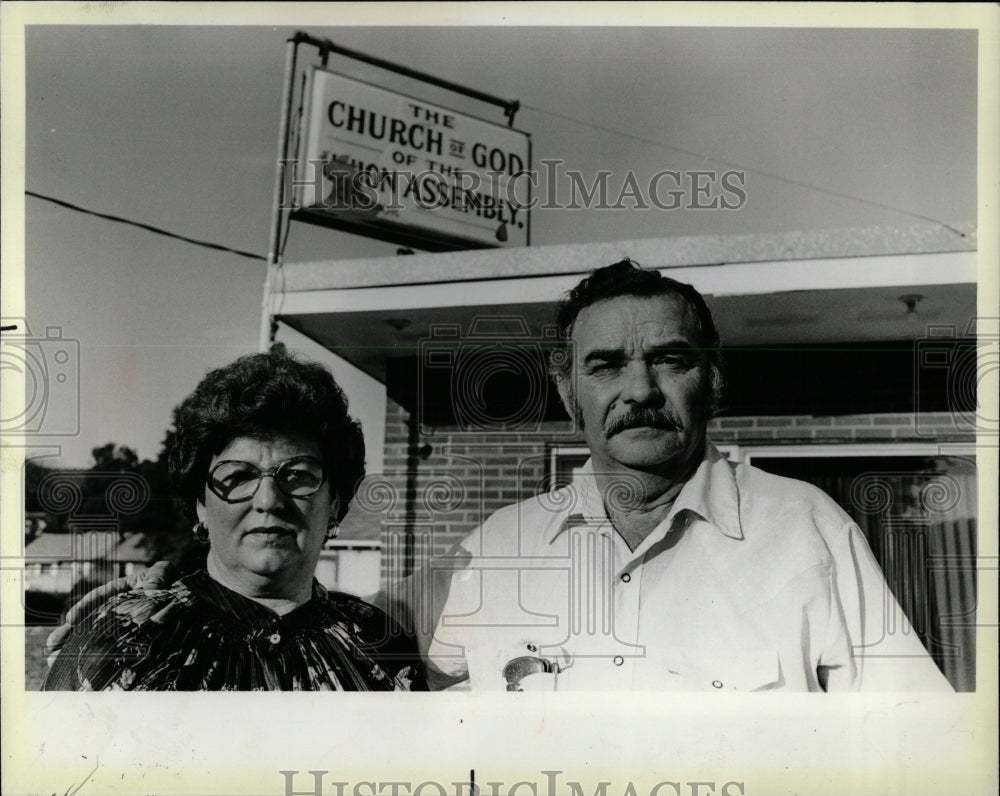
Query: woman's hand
pixel 158 576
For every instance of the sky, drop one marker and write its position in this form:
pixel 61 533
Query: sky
pixel 176 126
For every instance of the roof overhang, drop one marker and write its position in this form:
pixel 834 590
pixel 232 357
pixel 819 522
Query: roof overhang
pixel 804 287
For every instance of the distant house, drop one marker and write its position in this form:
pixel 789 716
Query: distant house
pixel 55 562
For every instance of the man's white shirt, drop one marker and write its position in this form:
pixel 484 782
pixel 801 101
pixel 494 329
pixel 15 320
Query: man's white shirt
pixel 752 582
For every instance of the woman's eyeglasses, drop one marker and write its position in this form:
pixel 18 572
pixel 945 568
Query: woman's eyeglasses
pixel 236 482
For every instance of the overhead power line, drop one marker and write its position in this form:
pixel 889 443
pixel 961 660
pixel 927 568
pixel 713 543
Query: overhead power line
pixel 731 164
pixel 556 114
pixel 148 227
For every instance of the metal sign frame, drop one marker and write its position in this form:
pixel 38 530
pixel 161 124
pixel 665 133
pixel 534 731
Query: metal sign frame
pixel 282 215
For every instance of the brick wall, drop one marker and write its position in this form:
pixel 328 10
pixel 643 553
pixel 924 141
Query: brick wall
pixel 795 429
pixel 459 478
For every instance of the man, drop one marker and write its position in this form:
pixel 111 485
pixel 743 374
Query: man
pixel 663 566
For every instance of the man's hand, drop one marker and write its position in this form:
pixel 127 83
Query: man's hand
pixel 158 576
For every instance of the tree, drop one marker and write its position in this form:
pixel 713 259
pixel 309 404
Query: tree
pixel 162 521
pixel 167 524
pixel 111 458
pixel 34 475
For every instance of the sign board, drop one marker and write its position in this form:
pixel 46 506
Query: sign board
pixel 393 167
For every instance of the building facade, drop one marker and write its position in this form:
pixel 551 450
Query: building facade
pixel 851 359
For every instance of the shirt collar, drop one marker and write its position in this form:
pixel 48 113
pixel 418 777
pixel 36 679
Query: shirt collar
pixel 711 493
pixel 205 587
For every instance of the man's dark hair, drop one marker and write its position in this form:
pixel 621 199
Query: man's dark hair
pixel 258 396
pixel 628 278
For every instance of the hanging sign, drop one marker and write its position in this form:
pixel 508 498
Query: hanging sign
pixel 389 166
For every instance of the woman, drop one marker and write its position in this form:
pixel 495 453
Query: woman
pixel 268 457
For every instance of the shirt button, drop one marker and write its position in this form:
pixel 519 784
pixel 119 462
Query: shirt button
pixel 618 660
pixel 274 638
pixel 717 684
pixel 626 577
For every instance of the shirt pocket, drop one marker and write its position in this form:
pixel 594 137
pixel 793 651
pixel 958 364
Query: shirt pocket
pixel 742 670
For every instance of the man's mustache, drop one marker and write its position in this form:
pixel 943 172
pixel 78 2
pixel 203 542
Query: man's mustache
pixel 643 418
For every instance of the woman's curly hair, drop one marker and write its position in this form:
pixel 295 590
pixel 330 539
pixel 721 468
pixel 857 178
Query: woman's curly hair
pixel 258 396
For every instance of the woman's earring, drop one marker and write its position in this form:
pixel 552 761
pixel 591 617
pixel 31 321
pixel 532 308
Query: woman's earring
pixel 332 529
pixel 200 533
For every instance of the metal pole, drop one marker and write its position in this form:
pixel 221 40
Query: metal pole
pixel 326 46
pixel 410 505
pixel 273 253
